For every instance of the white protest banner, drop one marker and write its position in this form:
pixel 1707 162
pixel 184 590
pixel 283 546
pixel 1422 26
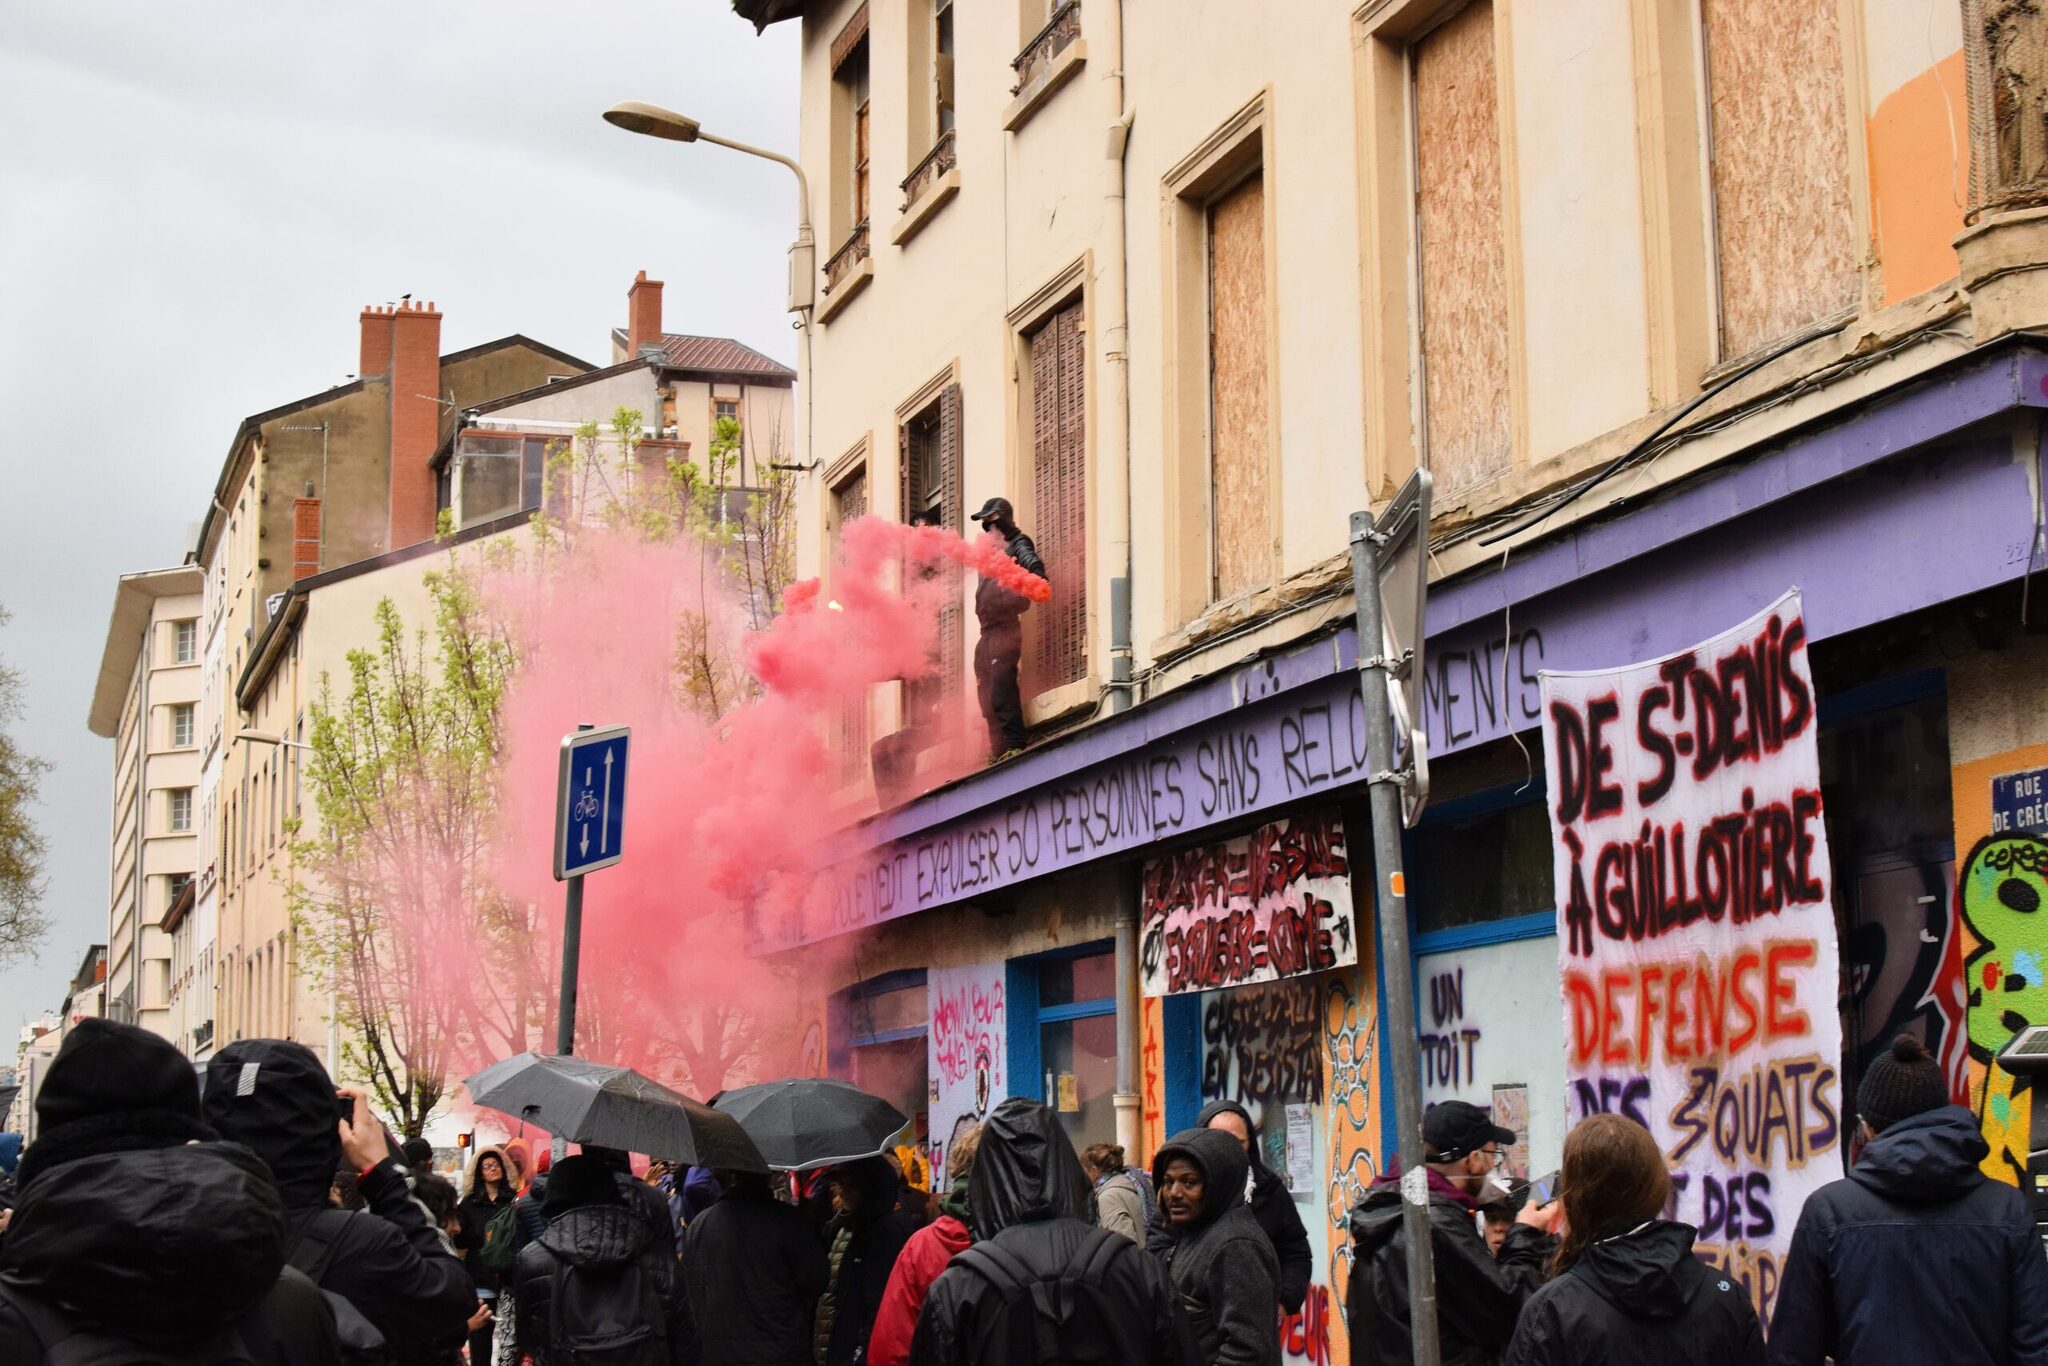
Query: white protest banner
pixel 1696 938
pixel 1274 903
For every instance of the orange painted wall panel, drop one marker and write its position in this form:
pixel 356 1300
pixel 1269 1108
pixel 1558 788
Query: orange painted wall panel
pixel 1919 142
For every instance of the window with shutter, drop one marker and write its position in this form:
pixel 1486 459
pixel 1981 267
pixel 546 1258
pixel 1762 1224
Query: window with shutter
pixel 931 492
pixel 850 502
pixel 1059 490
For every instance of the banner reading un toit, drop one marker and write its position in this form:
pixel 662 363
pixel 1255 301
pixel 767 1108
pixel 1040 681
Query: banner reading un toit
pixel 1696 935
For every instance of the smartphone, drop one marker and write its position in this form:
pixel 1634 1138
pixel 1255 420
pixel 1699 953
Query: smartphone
pixel 1544 1188
pixel 345 1109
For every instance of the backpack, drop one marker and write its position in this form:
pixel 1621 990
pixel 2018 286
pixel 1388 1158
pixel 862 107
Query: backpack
pixel 500 1233
pixel 65 1344
pixel 362 1342
pixel 606 1317
pixel 1058 1320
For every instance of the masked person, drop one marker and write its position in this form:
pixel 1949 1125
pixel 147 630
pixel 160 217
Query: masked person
pixel 1916 1255
pixel 1220 1260
pixel 1479 1294
pixel 389 1263
pixel 1627 1289
pixel 1041 1282
pixel 1001 647
pixel 139 1235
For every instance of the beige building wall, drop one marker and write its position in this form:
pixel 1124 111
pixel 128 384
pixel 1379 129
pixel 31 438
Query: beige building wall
pixel 147 701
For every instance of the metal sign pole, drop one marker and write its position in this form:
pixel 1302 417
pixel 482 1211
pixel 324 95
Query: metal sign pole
pixel 1398 1020
pixel 572 951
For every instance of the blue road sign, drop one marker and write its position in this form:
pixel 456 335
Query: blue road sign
pixel 590 803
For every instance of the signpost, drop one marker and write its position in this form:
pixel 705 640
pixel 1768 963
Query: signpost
pixel 590 827
pixel 1389 579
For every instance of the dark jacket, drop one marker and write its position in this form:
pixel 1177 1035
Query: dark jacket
pixel 1273 1206
pixel 753 1271
pixel 1642 1299
pixel 1479 1296
pixel 390 1261
pixel 1223 1265
pixel 864 1246
pixel 168 1246
pixel 603 1243
pixel 995 605
pixel 1916 1256
pixel 476 1212
pixel 528 1219
pixel 1029 1197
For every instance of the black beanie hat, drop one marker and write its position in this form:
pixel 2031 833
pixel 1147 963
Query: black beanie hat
pixel 1900 1084
pixel 108 1068
pixel 579 1181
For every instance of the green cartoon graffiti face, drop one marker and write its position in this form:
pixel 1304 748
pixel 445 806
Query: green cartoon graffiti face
pixel 2005 904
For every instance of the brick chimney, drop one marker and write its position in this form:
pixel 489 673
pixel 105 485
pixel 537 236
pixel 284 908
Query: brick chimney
pixel 305 537
pixel 402 346
pixel 643 314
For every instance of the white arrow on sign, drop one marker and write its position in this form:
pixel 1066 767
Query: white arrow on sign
pixel 604 824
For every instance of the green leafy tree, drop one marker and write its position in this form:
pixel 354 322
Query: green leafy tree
pixel 23 921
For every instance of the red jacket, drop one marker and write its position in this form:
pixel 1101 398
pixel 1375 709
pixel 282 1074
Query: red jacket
pixel 923 1258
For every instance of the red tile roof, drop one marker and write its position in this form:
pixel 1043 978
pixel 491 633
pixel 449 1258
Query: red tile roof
pixel 721 355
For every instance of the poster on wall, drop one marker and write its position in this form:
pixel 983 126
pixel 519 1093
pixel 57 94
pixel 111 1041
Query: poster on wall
pixel 966 1043
pixel 1271 904
pixel 1696 938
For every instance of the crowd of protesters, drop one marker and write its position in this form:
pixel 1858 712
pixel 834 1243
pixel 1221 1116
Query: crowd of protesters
pixel 257 1213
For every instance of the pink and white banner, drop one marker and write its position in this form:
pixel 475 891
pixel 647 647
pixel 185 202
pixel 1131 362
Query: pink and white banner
pixel 1696 935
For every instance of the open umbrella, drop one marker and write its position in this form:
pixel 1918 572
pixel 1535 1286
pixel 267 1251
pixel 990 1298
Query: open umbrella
pixel 807 1122
pixel 614 1107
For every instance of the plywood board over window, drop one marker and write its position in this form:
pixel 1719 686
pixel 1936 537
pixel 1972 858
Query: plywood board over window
pixel 1461 253
pixel 1783 226
pixel 1059 489
pixel 1240 420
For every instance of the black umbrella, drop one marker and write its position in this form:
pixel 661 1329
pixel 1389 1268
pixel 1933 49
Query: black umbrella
pixel 614 1107
pixel 807 1122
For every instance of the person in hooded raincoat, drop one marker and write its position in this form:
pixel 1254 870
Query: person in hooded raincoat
pixel 753 1271
pixel 1915 1256
pixel 1627 1289
pixel 137 1226
pixel 600 1283
pixel 1220 1260
pixel 389 1260
pixel 1479 1293
pixel 1028 1199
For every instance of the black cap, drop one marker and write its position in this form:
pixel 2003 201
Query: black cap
pixel 107 1068
pixel 995 510
pixel 1456 1128
pixel 1901 1083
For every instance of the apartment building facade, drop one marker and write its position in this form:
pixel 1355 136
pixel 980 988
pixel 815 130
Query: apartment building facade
pixel 1681 304
pixel 147 700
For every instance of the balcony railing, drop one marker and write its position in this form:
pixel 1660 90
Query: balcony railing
pixel 1059 31
pixel 849 255
pixel 939 160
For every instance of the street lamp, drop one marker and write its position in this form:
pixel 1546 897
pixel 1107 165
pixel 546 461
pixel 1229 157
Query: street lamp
pixel 257 737
pixel 651 120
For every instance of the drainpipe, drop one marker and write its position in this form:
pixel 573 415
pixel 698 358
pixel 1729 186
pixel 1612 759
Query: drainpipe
pixel 1112 301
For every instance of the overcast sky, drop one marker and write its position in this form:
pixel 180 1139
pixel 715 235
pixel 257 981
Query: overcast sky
pixel 200 199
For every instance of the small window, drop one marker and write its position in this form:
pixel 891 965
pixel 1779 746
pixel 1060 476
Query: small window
pixel 174 887
pixel 180 809
pixel 725 408
pixel 181 725
pixel 1077 1043
pixel 1471 870
pixel 184 641
pixel 942 65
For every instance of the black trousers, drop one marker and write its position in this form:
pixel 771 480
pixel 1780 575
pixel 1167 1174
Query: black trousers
pixel 995 676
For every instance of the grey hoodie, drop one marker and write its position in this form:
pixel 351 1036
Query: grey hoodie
pixel 1223 1265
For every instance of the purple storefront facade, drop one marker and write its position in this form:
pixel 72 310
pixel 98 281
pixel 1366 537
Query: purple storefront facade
pixel 1910 525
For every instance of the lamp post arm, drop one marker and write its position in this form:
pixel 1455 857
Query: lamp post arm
pixel 803 184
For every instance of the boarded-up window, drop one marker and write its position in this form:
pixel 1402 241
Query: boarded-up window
pixel 1240 527
pixel 932 493
pixel 850 502
pixel 1059 489
pixel 1458 230
pixel 1786 240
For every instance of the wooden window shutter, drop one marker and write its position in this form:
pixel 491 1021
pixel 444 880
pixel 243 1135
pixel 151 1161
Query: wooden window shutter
pixel 952 515
pixel 1060 495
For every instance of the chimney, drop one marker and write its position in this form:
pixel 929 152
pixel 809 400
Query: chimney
pixel 305 536
pixel 409 353
pixel 643 314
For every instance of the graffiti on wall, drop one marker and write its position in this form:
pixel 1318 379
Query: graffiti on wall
pixel 2003 889
pixel 1151 1078
pixel 967 1048
pixel 1305 1336
pixel 1450 1048
pixel 1262 1046
pixel 1696 926
pixel 1350 1053
pixel 1272 904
